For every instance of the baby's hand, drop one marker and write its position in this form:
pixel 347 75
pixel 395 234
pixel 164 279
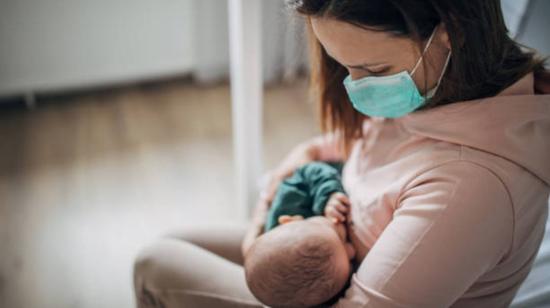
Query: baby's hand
pixel 337 208
pixel 287 218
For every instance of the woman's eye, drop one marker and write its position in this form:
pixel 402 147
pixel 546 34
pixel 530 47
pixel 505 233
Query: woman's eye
pixel 378 71
pixel 359 72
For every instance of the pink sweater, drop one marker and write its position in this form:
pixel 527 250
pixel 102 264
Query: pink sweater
pixel 450 203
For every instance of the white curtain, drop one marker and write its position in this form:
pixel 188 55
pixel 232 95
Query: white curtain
pixel 283 43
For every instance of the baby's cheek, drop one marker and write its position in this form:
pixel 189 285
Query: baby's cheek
pixel 360 249
pixel 350 251
pixel 341 229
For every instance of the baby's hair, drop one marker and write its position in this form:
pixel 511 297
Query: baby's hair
pixel 298 273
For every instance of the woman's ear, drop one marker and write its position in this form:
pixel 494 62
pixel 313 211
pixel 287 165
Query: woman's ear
pixel 453 33
pixel 444 36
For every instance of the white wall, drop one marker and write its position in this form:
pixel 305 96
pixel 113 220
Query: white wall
pixel 58 44
pixel 534 29
pixel 283 44
pixel 514 12
pixel 211 40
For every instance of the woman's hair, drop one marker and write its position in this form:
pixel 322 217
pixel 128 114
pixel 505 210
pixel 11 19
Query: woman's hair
pixel 484 59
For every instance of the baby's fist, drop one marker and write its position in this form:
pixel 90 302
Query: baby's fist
pixel 337 207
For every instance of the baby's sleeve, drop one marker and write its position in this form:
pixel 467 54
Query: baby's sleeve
pixel 321 180
pixel 451 225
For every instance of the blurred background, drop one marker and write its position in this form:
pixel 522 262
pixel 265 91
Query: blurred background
pixel 116 127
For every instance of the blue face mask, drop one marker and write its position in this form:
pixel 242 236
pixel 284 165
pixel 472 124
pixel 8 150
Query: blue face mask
pixel 390 96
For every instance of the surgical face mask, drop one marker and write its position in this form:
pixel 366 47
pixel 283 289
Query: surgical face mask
pixel 390 96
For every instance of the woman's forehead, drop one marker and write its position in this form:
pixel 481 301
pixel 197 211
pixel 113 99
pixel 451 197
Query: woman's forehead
pixel 352 45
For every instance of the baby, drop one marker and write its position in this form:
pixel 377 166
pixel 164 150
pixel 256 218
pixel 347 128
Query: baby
pixel 303 258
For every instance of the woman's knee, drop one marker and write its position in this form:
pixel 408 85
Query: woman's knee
pixel 222 240
pixel 159 265
pixel 163 266
pixel 175 273
pixel 146 262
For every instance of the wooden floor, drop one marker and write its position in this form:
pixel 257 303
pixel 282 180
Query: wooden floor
pixel 88 179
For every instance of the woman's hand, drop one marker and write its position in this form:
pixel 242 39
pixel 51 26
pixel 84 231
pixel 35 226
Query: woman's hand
pixel 337 208
pixel 323 147
pixel 256 227
pixel 302 154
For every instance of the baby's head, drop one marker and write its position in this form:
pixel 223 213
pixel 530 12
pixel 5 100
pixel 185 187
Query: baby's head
pixel 301 263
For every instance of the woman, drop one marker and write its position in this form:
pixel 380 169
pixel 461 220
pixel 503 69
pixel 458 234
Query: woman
pixel 444 126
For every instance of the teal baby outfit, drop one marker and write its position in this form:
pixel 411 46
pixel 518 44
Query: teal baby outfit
pixel 306 192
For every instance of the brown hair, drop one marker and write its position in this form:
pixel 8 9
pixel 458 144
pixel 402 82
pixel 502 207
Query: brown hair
pixel 484 61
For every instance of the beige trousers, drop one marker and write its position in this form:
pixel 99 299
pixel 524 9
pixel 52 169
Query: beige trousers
pixel 199 267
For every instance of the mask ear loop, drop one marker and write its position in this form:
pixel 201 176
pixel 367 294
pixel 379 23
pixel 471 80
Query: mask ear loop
pixel 432 92
pixel 443 71
pixel 424 51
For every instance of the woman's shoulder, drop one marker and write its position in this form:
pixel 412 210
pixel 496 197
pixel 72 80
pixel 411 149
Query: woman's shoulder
pixel 478 172
pixel 481 184
pixel 472 179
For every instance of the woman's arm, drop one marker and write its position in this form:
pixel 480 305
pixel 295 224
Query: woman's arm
pixel 327 147
pixel 256 227
pixel 323 147
pixel 452 224
pixel 320 148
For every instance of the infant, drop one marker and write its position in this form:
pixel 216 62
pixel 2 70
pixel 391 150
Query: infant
pixel 304 258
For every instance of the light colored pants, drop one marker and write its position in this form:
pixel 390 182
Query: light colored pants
pixel 199 267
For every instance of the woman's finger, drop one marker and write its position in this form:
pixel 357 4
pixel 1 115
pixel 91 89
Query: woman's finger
pixel 259 215
pixel 269 183
pixel 269 193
